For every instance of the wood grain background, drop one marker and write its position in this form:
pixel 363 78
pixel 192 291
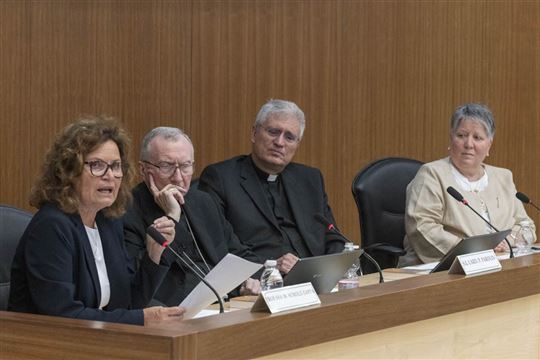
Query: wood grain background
pixel 375 78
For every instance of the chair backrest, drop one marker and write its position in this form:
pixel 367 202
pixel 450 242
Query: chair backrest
pixel 379 192
pixel 13 222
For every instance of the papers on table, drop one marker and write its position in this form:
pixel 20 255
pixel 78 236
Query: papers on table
pixel 422 268
pixel 230 272
pixel 205 313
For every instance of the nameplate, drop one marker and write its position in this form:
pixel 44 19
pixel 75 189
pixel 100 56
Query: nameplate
pixel 286 298
pixel 475 263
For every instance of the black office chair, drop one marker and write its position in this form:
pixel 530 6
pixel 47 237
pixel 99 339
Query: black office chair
pixel 379 192
pixel 13 222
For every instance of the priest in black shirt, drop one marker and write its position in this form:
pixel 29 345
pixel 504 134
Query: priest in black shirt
pixel 270 201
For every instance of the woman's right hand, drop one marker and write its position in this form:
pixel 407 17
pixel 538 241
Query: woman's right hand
pixel 157 314
pixel 165 227
pixel 502 247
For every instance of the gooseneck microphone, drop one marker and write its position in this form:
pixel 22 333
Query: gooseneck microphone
pixel 457 195
pixel 156 235
pixel 525 199
pixel 330 226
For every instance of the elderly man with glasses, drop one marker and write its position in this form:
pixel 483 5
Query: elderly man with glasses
pixel 202 233
pixel 270 201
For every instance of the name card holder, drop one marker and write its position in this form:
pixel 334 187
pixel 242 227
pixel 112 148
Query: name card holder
pixel 286 298
pixel 475 263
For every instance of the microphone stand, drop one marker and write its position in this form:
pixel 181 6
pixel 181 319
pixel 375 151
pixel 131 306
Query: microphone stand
pixel 221 307
pixel 372 260
pixel 525 199
pixel 156 235
pixel 456 195
pixel 493 227
pixel 321 219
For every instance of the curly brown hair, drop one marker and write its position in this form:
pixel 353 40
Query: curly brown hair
pixel 64 163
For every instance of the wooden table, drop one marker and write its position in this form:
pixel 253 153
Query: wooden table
pixel 386 319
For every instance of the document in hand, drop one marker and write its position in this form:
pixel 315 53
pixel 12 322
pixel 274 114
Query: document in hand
pixel 230 272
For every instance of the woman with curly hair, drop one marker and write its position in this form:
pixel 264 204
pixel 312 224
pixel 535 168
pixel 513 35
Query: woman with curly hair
pixel 71 259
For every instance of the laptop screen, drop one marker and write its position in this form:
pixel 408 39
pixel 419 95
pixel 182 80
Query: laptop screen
pixel 470 245
pixel 322 271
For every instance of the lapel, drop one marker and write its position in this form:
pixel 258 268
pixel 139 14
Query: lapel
pixel 250 183
pixel 199 228
pixel 89 256
pixel 492 198
pixel 296 193
pixel 114 262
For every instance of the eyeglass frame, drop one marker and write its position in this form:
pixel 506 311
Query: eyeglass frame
pixel 291 139
pixel 107 167
pixel 180 167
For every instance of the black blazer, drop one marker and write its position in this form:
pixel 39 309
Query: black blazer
pixel 235 185
pixel 54 271
pixel 212 232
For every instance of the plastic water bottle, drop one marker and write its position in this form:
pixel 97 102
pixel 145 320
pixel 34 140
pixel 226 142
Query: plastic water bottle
pixel 350 279
pixel 271 278
pixel 524 238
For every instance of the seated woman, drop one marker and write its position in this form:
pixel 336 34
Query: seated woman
pixel 71 259
pixel 434 221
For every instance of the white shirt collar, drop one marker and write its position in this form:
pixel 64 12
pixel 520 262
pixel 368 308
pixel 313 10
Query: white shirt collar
pixel 467 185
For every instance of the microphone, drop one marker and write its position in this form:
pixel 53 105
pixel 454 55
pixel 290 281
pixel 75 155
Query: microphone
pixel 156 235
pixel 321 219
pixel 525 199
pixel 457 195
pixel 331 227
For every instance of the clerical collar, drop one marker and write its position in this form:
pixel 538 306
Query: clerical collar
pixel 263 175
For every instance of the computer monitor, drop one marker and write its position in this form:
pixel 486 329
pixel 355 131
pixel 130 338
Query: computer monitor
pixel 322 271
pixel 470 245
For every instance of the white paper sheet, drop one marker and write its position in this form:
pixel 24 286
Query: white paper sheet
pixel 422 267
pixel 205 313
pixel 230 272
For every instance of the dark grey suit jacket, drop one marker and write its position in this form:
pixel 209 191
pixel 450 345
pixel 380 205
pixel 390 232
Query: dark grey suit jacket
pixel 236 187
pixel 211 230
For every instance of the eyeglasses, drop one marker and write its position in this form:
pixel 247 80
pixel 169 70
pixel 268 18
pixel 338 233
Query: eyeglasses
pixel 168 169
pixel 100 168
pixel 276 133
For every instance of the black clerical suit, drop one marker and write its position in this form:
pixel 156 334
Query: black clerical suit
pixel 249 206
pixel 212 232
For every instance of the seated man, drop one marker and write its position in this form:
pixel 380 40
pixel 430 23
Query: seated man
pixel 270 201
pixel 166 166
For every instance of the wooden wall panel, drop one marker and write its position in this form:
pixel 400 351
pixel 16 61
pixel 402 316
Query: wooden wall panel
pixel 60 59
pixel 14 55
pixel 375 78
pixel 223 76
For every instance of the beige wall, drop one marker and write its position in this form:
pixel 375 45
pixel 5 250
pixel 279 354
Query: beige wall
pixel 375 78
